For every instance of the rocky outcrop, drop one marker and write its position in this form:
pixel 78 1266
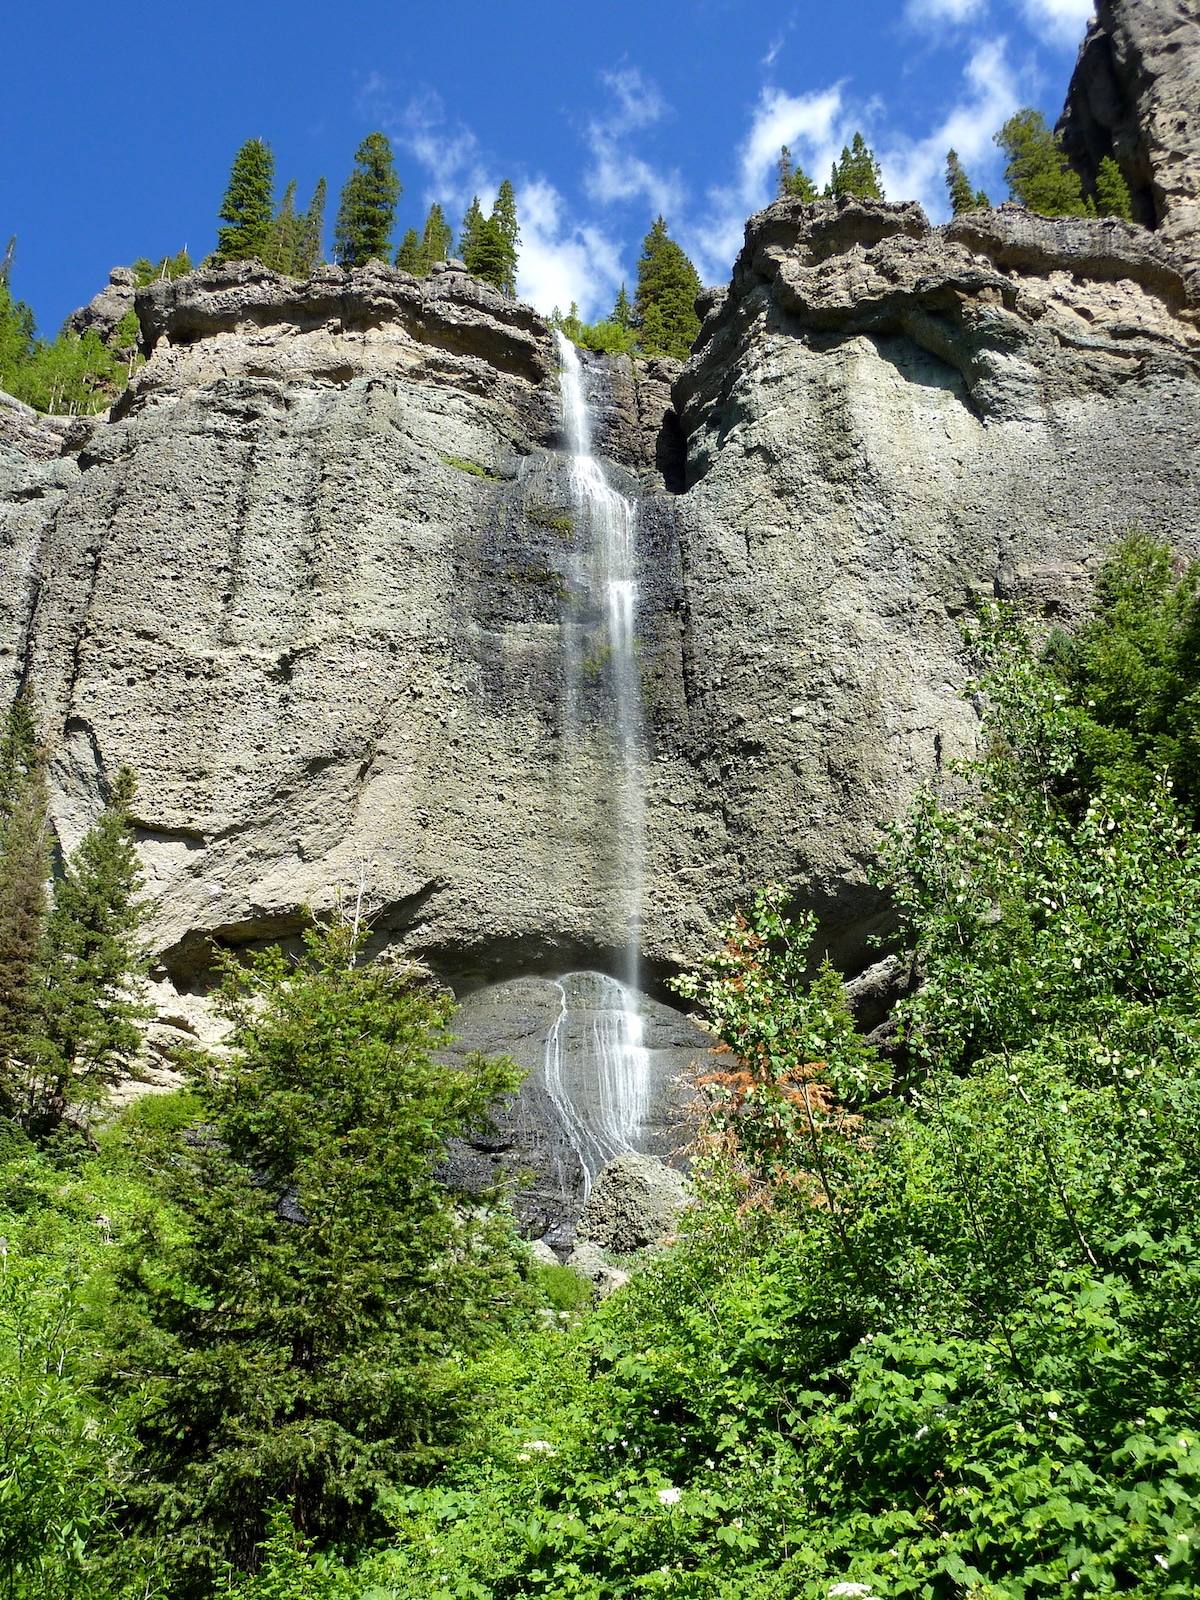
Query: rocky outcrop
pixel 104 311
pixel 1134 96
pixel 636 1202
pixel 317 578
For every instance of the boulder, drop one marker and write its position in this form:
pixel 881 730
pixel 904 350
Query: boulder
pixel 636 1201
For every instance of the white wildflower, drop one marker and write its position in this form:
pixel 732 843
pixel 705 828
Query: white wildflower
pixel 670 1496
pixel 850 1591
pixel 542 1446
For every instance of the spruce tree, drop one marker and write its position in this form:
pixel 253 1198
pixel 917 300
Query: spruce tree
pixel 504 216
pixel 311 233
pixel 90 968
pixel 962 196
pixel 1038 173
pixel 1112 192
pixel 664 306
pixel 367 211
pixel 353 1285
pixel 470 226
pixel 622 311
pixel 488 255
pixel 409 257
pixel 793 180
pixel 248 210
pixel 857 173
pixel 437 238
pixel 285 234
pixel 24 870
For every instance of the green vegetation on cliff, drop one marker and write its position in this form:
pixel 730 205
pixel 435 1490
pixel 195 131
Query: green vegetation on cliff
pixel 1039 175
pixel 664 307
pixel 928 1331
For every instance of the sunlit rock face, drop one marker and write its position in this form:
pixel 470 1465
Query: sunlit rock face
pixel 316 577
pixel 1133 96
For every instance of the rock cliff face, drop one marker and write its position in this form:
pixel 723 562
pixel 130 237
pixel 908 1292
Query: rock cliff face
pixel 310 579
pixel 1134 96
pixel 316 576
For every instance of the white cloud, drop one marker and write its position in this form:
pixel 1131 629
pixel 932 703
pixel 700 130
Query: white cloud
pixel 912 170
pixel 1060 22
pixel 449 152
pixel 617 173
pixel 936 13
pixel 562 261
pixel 812 125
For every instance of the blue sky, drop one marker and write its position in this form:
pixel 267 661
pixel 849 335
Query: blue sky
pixel 118 125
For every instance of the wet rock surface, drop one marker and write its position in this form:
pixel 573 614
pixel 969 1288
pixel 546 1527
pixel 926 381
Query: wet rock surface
pixel 533 1138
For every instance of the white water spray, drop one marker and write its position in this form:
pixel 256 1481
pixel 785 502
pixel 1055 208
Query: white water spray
pixel 597 1067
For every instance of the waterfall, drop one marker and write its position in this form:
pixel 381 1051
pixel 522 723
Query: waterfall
pixel 596 1065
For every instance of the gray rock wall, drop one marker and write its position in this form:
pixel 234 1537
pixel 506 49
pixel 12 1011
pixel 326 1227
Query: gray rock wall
pixel 311 578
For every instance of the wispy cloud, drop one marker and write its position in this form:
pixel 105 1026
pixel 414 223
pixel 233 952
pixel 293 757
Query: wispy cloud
pixel 562 261
pixel 456 164
pixel 936 14
pixel 1058 22
pixel 617 173
pixel 812 125
pixel 913 169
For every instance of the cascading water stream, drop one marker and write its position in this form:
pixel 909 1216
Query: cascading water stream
pixel 596 1065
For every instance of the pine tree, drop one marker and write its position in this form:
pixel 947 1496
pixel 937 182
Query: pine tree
pixel 311 233
pixel 665 303
pixel 1112 192
pixel 367 211
pixel 24 870
pixel 285 234
pixel 488 255
pixel 90 968
pixel 793 180
pixel 248 209
pixel 962 196
pixel 437 238
pixel 504 215
pixel 622 311
pixel 409 257
pixel 857 174
pixel 470 226
pixel 1038 173
pixel 352 1285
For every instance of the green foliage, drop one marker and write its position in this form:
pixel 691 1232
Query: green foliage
pixel 409 257
pixel 166 269
pixel 24 869
pixel 248 210
pixel 311 234
pixel 74 374
pixel 306 1336
pixel 1131 674
pixel 472 467
pixel 436 237
pixel 1112 192
pixel 488 244
pixel 1038 173
pixel 89 976
pixel 622 311
pixel 962 196
pixel 367 210
pixel 665 303
pixel 856 173
pixel 610 337
pixel 564 1289
pixel 935 1344
pixel 284 240
pixel 793 180
pixel 17 335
